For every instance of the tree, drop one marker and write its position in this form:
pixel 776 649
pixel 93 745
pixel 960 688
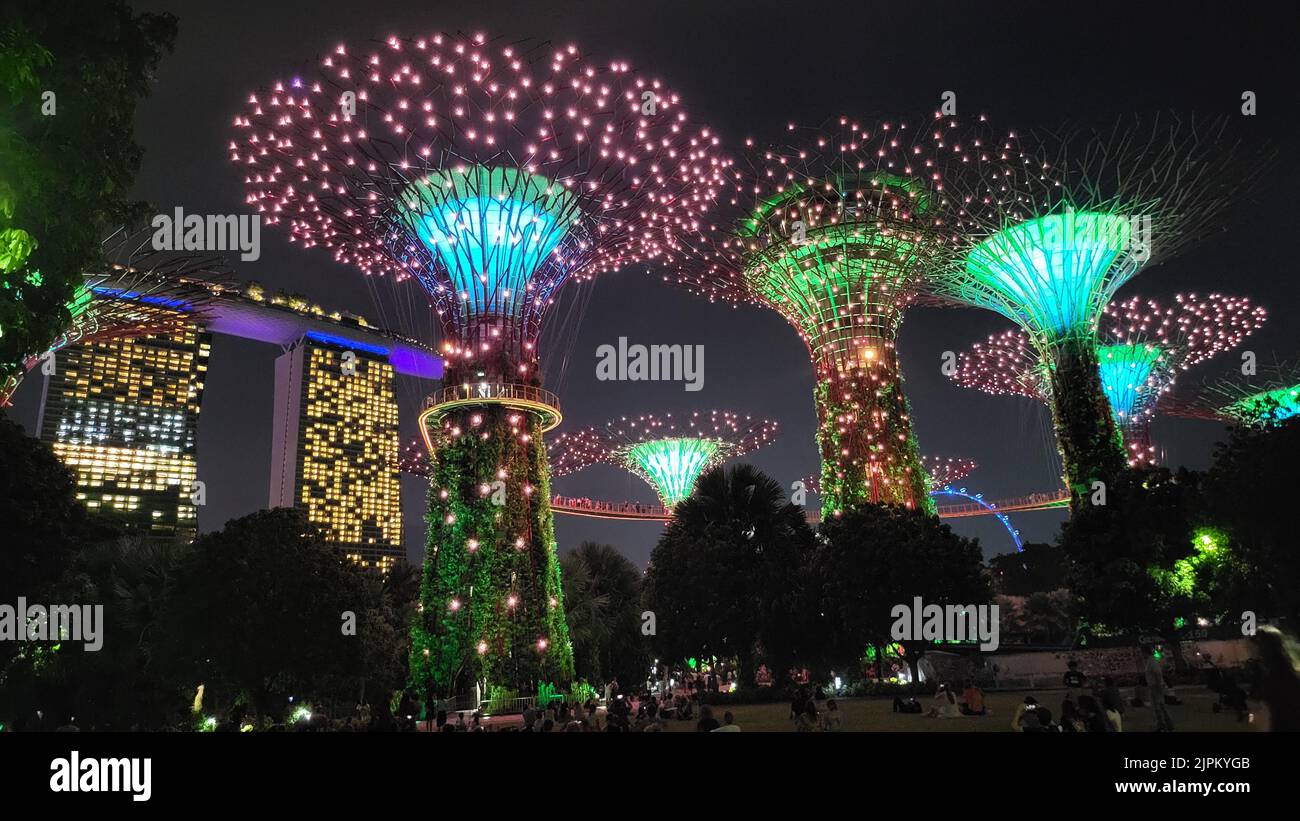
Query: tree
pixel 1035 569
pixel 1248 492
pixel 1117 550
pixel 258 610
pixel 43 521
pixel 726 578
pixel 875 557
pixel 1050 617
pixel 71 74
pixel 602 596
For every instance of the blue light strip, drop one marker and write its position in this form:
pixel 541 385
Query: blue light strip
pixel 979 500
pixel 344 342
pixel 136 296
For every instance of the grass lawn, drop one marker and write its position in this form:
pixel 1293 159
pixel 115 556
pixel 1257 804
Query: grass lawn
pixel 876 715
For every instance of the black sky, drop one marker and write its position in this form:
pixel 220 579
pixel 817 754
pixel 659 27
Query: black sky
pixel 748 69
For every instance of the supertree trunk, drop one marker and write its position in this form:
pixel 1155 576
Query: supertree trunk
pixel 869 453
pixel 1091 447
pixel 492 604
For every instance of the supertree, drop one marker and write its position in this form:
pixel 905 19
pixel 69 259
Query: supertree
pixel 140 292
pixel 939 470
pixel 835 231
pixel 1265 399
pixel 668 452
pixel 1049 242
pixel 1142 347
pixel 491 174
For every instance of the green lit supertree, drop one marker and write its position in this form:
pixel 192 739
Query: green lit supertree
pixel 491 174
pixel 836 231
pixel 1048 241
pixel 1142 347
pixel 1265 398
pixel 669 453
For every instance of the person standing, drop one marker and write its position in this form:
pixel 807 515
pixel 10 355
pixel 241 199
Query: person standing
pixel 1155 676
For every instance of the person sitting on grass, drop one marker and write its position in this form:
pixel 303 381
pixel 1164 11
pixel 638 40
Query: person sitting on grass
pixel 1029 715
pixel 729 724
pixel 806 721
pixel 944 704
pixel 972 701
pixel 707 722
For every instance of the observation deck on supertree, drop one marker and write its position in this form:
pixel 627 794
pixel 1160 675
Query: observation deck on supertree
pixel 1048 244
pixel 1142 347
pixel 835 232
pixel 490 174
pixel 138 292
pixel 1265 399
pixel 669 453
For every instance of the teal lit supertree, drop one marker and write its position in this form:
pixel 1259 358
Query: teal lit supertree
pixel 1048 242
pixel 1142 347
pixel 490 173
pixel 668 452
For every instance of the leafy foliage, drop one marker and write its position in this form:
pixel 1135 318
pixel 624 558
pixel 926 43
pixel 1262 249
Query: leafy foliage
pixel 602 597
pixel 65 176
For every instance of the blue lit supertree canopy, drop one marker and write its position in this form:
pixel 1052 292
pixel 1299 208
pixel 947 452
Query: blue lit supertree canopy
pixel 1142 347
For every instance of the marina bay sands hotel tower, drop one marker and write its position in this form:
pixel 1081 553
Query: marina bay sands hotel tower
pixel 123 416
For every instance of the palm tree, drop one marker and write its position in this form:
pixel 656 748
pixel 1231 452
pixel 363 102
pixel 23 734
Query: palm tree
pixel 725 575
pixel 585 609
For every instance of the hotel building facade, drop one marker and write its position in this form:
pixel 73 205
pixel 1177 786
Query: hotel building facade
pixel 334 449
pixel 123 415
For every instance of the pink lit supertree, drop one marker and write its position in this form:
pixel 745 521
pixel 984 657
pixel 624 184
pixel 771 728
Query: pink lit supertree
pixel 1142 347
pixel 490 173
pixel 669 453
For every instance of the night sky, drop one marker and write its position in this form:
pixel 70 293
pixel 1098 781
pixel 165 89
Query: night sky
pixel 747 69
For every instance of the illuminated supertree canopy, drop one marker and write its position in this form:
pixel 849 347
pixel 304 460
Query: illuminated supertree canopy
pixel 669 453
pixel 1048 243
pixel 139 293
pixel 1142 347
pixel 490 173
pixel 1263 399
pixel 835 231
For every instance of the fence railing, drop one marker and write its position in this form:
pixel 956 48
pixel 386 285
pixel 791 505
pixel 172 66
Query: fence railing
pixel 491 391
